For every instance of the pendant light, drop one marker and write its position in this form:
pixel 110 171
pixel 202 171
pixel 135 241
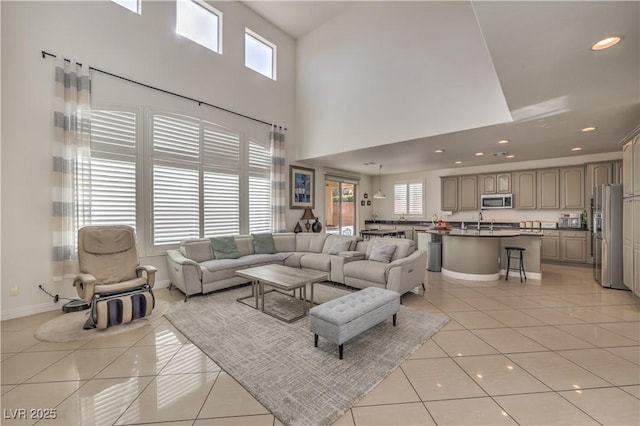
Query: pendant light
pixel 379 194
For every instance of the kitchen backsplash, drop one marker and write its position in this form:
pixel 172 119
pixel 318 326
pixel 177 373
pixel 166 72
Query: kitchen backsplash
pixel 507 215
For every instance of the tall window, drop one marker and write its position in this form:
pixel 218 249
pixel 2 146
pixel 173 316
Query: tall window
pixel 132 5
pixel 198 170
pixel 408 198
pixel 199 22
pixel 259 54
pixel 112 192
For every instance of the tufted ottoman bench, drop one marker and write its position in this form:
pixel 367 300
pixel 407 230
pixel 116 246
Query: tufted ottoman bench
pixel 345 317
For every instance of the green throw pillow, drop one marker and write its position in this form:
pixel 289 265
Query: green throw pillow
pixel 263 243
pixel 224 248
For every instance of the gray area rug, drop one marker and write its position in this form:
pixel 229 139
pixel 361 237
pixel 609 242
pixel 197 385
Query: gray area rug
pixel 68 327
pixel 278 364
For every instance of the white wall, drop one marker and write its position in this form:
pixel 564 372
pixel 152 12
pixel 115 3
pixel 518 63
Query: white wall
pixel 384 208
pixel 141 47
pixel 384 72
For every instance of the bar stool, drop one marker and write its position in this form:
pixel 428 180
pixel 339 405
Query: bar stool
pixel 519 256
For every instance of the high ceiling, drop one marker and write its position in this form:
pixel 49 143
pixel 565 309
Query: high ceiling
pixel 553 84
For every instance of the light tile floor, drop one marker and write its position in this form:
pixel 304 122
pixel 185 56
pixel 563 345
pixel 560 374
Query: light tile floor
pixel 558 351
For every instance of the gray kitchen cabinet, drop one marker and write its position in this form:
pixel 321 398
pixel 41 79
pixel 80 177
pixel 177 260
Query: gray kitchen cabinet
pixel 524 189
pixel 627 221
pixel 627 170
pixel 504 183
pixel 628 237
pixel 597 174
pixel 572 188
pixel 635 169
pixel 617 173
pixel 449 194
pixel 627 266
pixel 499 183
pixel 573 246
pixel 548 185
pixel 487 184
pixel 467 192
pixel 635 284
pixel 550 249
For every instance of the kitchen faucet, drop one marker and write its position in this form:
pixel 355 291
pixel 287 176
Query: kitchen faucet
pixel 491 226
pixel 479 219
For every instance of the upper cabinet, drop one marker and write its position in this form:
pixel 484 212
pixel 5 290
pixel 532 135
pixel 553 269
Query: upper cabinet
pixel 495 183
pixel 627 169
pixel 617 173
pixel 548 185
pixel 597 174
pixel 572 188
pixel 468 193
pixel 524 189
pixel 449 193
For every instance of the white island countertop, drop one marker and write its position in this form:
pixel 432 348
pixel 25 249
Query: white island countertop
pixel 496 233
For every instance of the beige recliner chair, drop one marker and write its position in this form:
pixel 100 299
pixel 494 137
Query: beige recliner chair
pixel 111 277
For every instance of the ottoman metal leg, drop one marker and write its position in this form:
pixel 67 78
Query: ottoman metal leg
pixel 340 350
pixel 394 319
pixel 315 340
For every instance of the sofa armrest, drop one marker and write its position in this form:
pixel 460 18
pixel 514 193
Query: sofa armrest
pixel 406 273
pixel 184 273
pixel 352 255
pixel 85 284
pixel 150 271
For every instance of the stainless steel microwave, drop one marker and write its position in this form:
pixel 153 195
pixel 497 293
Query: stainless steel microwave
pixel 496 201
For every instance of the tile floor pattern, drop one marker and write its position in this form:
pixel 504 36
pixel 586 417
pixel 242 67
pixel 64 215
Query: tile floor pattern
pixel 557 351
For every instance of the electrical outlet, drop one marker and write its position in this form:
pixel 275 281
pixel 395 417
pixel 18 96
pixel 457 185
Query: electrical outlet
pixel 14 291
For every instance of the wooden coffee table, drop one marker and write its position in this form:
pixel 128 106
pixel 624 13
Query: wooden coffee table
pixel 283 278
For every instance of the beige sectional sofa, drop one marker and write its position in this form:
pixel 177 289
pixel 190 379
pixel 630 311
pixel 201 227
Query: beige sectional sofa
pixel 193 268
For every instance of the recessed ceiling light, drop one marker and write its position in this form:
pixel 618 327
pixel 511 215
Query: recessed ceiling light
pixel 606 43
pixel 479 154
pixel 504 141
pixel 439 151
pixel 577 148
pixel 458 162
pixel 589 129
pixel 510 156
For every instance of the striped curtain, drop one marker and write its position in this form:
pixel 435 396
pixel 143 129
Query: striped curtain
pixel 278 181
pixel 71 164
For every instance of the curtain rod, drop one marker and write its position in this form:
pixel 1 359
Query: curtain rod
pixel 45 54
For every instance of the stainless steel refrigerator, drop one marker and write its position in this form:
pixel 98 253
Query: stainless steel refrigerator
pixel 607 233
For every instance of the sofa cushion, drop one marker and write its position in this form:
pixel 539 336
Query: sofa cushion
pixel 224 248
pixel 317 261
pixel 293 259
pixel 404 247
pixel 366 270
pixel 198 250
pixel 244 244
pixel 339 245
pixel 263 243
pixel 382 251
pixel 306 241
pixel 220 269
pixel 285 241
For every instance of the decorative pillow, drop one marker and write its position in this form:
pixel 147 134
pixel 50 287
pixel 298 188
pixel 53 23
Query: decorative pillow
pixel 263 243
pixel 339 245
pixel 224 248
pixel 382 252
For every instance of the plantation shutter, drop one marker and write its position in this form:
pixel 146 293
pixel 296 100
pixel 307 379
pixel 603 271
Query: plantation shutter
pixel 176 181
pixel 112 189
pixel 259 188
pixel 400 198
pixel 221 181
pixel 416 198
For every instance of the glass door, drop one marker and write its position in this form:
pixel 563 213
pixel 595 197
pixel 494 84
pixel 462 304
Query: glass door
pixel 340 208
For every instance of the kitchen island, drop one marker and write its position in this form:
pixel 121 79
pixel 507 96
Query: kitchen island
pixel 480 255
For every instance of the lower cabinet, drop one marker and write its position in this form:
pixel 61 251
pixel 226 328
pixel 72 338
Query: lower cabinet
pixel 550 246
pixel 564 246
pixel 627 266
pixel 635 285
pixel 573 246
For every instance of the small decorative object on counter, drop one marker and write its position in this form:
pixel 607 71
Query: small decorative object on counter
pixel 298 228
pixel 317 226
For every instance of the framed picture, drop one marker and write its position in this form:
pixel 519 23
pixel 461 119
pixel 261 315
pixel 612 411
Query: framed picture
pixel 302 183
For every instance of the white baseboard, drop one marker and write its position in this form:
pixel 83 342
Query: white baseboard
pixel 24 311
pixel 471 277
pixel 530 275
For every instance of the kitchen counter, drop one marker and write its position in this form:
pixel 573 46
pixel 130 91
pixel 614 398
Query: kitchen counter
pixel 481 256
